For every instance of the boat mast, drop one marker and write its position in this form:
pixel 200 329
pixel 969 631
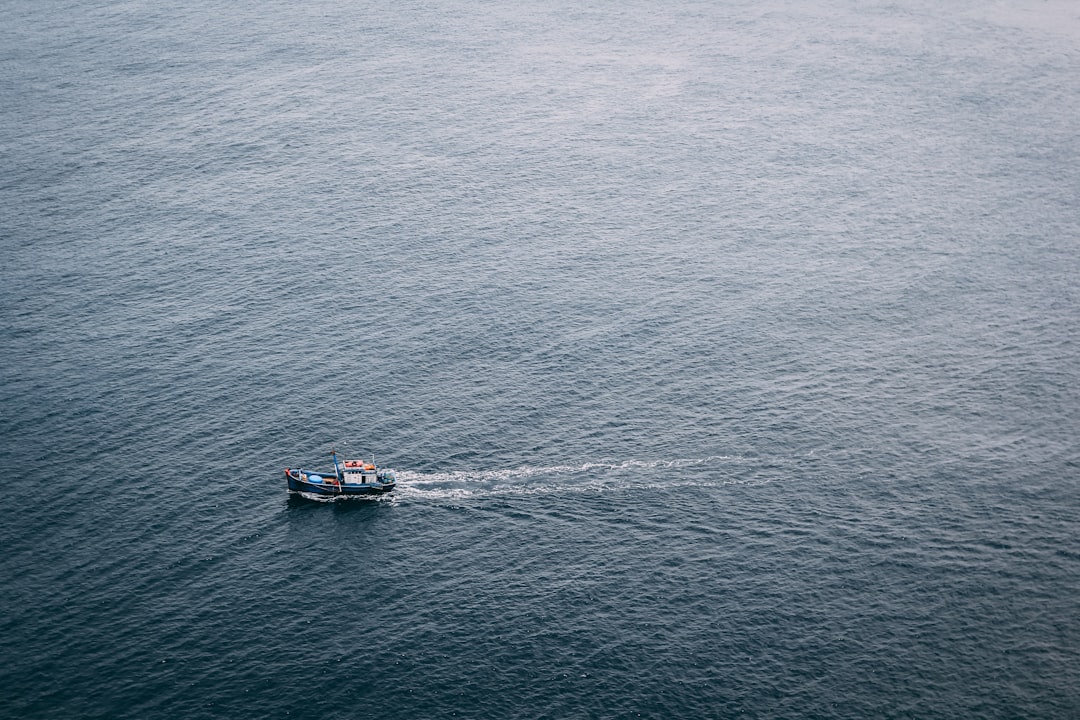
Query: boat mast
pixel 337 470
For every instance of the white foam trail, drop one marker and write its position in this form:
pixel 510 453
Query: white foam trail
pixel 526 471
pixel 586 477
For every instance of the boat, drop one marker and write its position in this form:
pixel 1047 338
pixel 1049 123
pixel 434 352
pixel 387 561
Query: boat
pixel 349 478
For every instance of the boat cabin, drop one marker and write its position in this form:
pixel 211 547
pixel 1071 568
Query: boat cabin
pixel 358 472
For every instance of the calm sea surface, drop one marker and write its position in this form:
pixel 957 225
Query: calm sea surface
pixel 728 352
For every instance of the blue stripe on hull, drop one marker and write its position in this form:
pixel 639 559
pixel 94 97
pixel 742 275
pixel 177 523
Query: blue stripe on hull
pixel 332 491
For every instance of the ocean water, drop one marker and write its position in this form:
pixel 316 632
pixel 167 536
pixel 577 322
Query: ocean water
pixel 727 352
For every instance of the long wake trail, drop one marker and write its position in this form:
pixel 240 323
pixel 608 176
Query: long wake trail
pixel 597 475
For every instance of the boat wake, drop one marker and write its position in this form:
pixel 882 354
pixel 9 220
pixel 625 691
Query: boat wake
pixel 585 477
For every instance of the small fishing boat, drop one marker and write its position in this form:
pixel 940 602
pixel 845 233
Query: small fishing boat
pixel 349 478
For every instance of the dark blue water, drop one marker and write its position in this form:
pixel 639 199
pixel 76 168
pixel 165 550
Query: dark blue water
pixel 727 353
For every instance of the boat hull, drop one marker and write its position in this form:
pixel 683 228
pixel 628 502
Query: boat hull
pixel 328 488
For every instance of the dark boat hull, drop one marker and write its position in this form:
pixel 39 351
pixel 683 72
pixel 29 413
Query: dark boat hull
pixel 330 489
